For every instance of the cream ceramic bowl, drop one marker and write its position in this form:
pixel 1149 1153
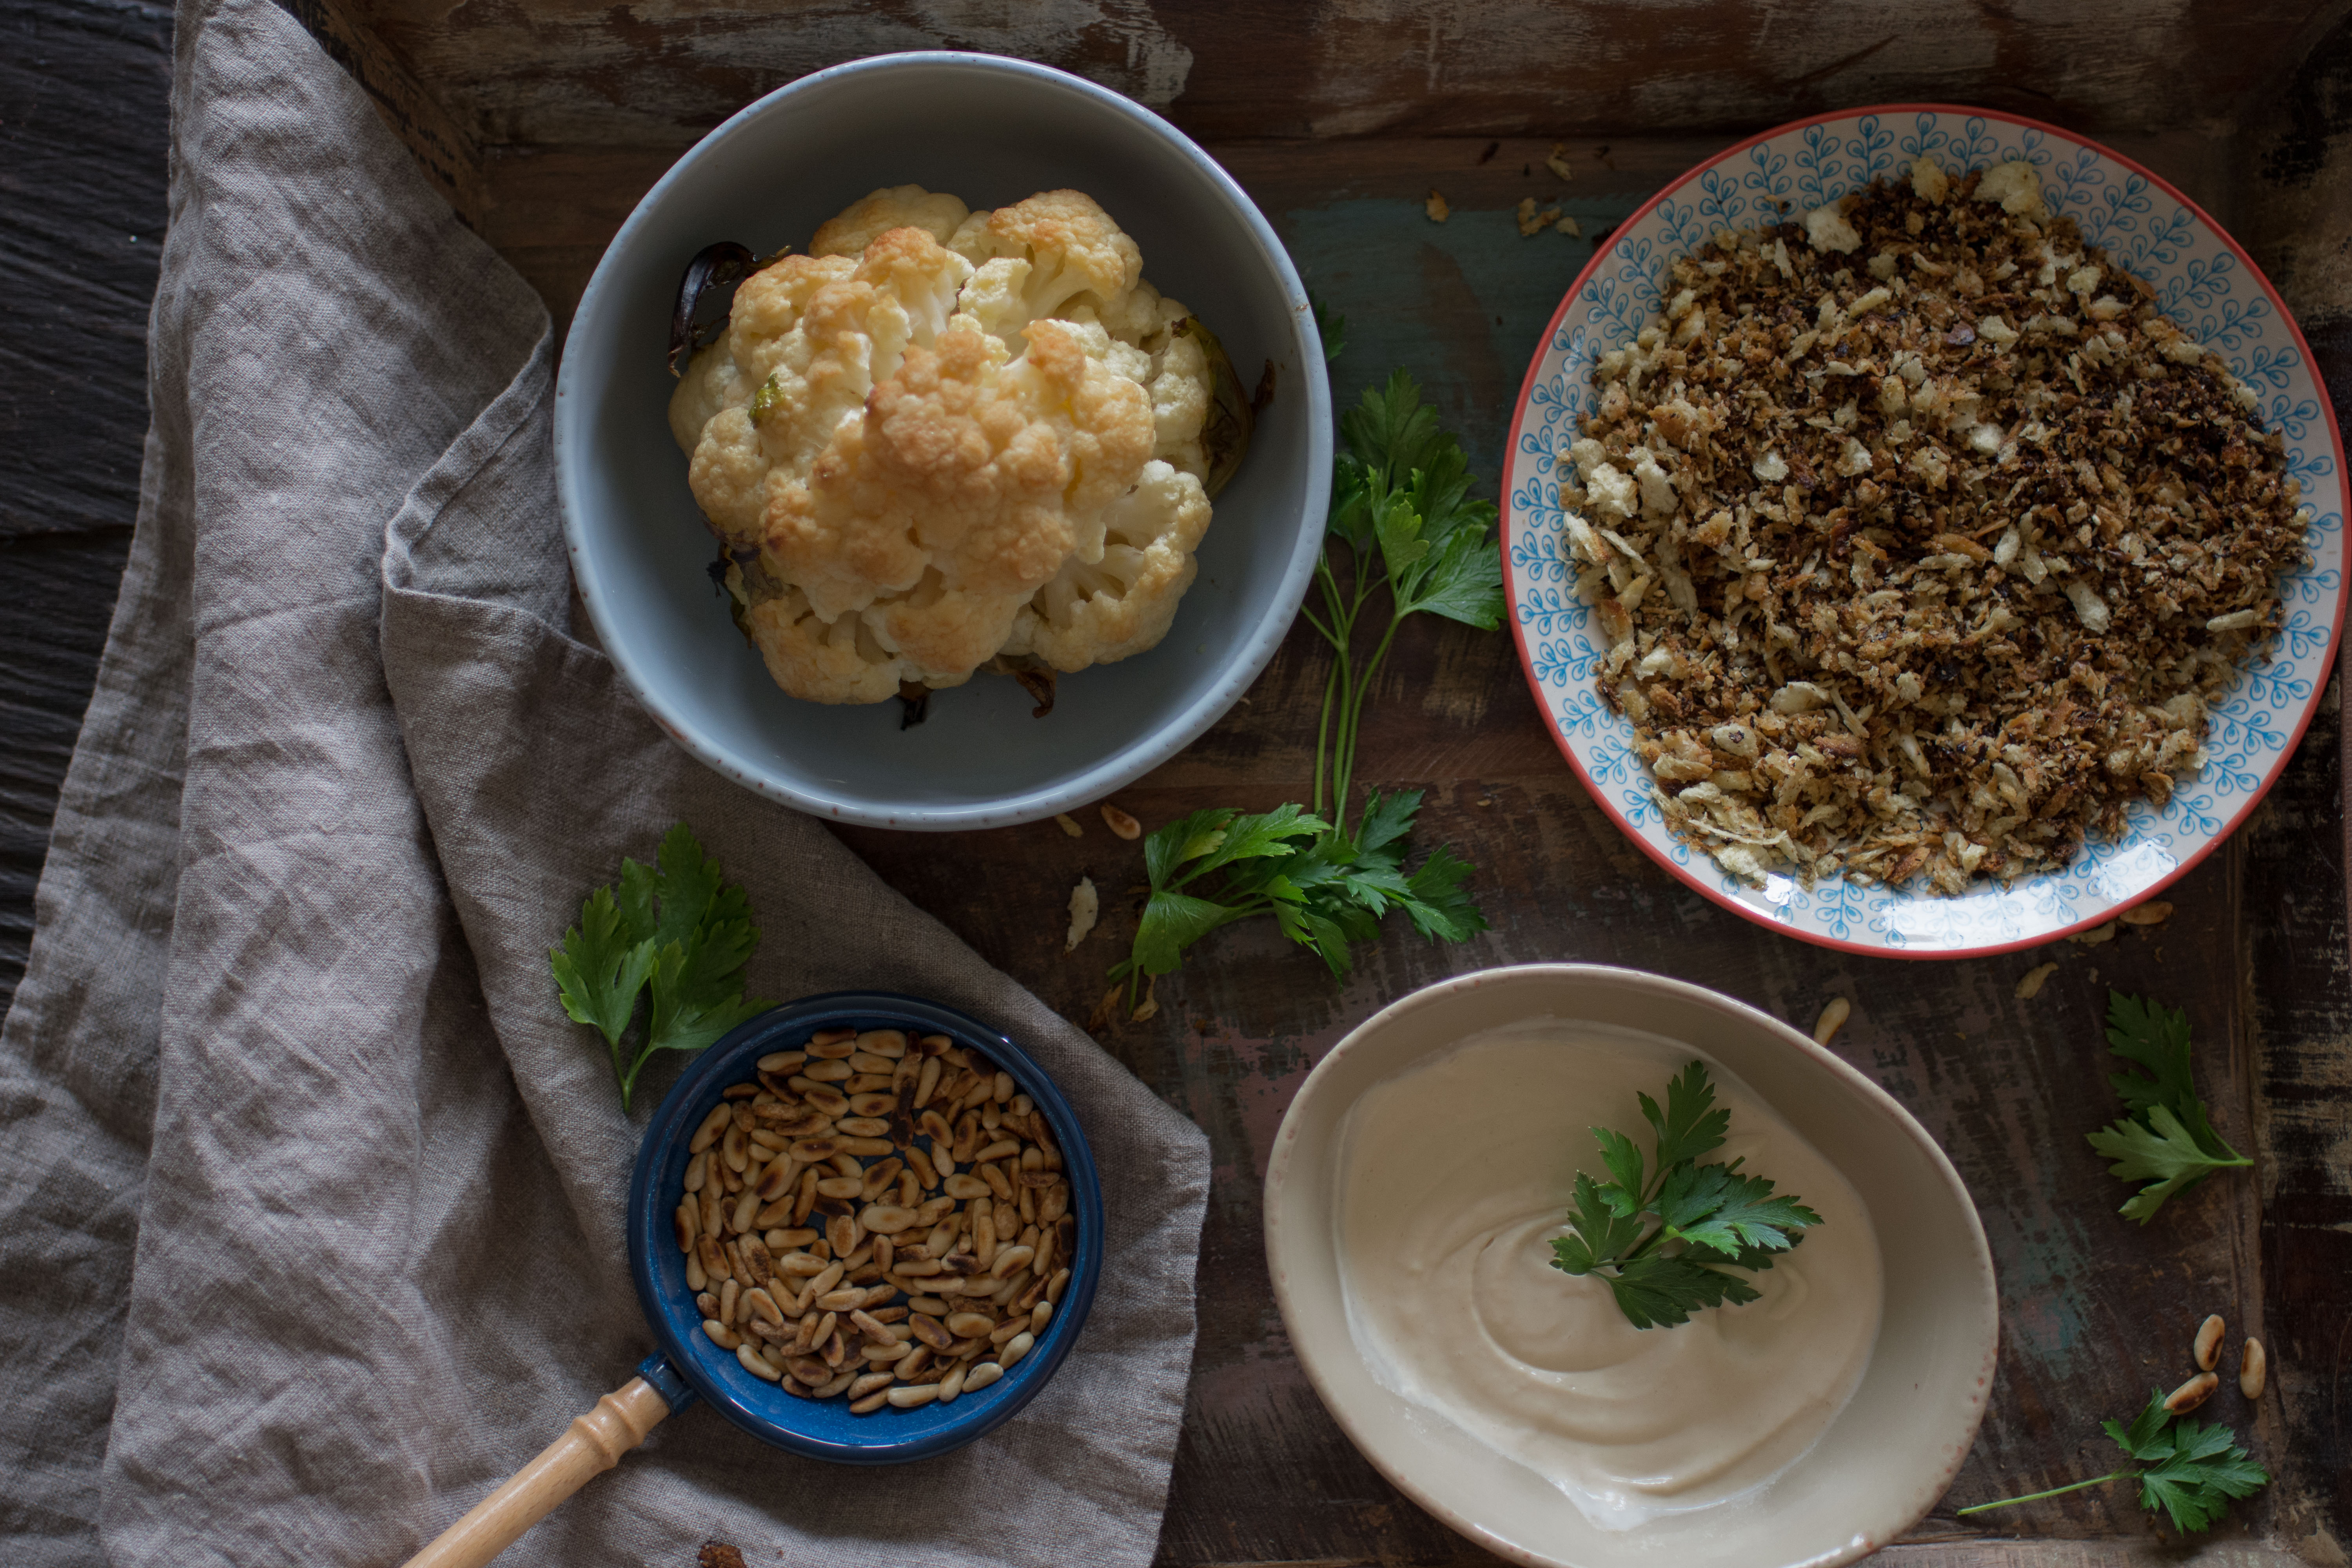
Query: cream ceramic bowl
pixel 1888 1454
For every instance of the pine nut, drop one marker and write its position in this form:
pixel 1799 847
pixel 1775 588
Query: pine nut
pixel 746 1208
pixel 844 1301
pixel 733 1148
pixel 728 1292
pixel 810 1371
pixel 951 1386
pixel 866 1146
pixel 871 1382
pixel 884 1352
pixel 920 1164
pixel 862 1127
pixel 881 1174
pixel 823 1043
pixel 1038 1315
pixel 927 1082
pixel 722 1336
pixel 869 1404
pixel 926 1329
pixel 2192 1394
pixel 2207 1349
pixel 1007 1330
pixel 777 1179
pixel 909 1397
pixel 757 1365
pixel 1055 1203
pixel 697 1171
pixel 823 1098
pixel 981 1376
pixel 969 1325
pixel 840 1187
pixel 983 1234
pixel 886 1219
pixel 762 1306
pixel 1832 1019
pixel 827 1072
pixel 998 1182
pixel 782 1061
pixel 1014 1348
pixel 915 1361
pixel 722 1116
pixel 2253 1370
pixel 714 1262
pixel 1120 823
pixel 966 1187
pixel 688 1222
pixel 1054 1290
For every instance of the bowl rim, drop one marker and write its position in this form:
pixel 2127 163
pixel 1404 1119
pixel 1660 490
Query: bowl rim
pixel 1607 251
pixel 1106 773
pixel 1312 1354
pixel 677 1329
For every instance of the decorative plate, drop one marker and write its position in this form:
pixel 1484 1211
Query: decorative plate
pixel 2202 279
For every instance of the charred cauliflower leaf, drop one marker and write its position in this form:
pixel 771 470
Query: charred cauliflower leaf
pixel 944 439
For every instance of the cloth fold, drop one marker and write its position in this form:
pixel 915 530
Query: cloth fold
pixel 312 1195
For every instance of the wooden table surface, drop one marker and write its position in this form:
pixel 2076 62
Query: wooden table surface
pixel 545 120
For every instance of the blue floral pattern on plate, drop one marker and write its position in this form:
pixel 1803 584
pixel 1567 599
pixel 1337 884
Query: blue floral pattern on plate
pixel 2200 280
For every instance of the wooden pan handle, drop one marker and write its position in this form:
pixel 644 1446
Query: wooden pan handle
pixel 592 1445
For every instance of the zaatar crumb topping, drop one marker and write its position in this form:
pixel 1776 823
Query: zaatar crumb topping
pixel 1921 539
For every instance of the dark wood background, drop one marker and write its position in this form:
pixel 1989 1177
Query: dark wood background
pixel 545 120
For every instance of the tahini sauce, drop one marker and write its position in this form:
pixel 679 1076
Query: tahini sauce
pixel 1456 1176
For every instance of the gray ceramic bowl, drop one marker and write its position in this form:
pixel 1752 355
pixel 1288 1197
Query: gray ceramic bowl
pixel 991 130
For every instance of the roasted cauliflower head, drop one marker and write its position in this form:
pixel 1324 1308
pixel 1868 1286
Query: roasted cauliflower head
pixel 943 437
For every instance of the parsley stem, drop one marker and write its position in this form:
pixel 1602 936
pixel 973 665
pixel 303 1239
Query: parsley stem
pixel 1347 769
pixel 2054 1491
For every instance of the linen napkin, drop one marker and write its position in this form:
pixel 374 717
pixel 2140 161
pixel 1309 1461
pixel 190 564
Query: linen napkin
pixel 311 1196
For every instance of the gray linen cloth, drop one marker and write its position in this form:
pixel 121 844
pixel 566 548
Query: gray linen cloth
pixel 311 1196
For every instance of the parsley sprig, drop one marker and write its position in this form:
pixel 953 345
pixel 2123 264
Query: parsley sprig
pixel 1666 1235
pixel 1404 528
pixel 2167 1141
pixel 681 931
pixel 2192 1470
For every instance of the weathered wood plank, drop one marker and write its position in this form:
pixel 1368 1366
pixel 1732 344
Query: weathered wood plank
pixel 555 72
pixel 84 90
pixel 84 86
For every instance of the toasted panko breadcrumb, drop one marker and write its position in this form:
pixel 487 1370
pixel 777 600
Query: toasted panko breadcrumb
pixel 946 436
pixel 1920 539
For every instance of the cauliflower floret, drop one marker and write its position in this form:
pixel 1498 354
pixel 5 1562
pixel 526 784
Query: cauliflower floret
pixel 936 213
pixel 1069 252
pixel 921 455
pixel 1123 601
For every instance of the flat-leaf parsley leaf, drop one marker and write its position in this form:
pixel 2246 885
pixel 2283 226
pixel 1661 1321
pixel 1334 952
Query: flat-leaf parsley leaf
pixel 678 929
pixel 1709 1218
pixel 2193 1471
pixel 2167 1141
